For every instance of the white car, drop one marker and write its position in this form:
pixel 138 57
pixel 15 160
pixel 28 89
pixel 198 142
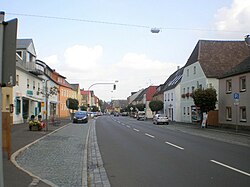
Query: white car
pixel 160 118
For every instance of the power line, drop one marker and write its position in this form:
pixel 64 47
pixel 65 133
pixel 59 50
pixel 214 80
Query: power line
pixel 124 24
pixel 80 20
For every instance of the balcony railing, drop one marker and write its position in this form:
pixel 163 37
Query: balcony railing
pixel 34 68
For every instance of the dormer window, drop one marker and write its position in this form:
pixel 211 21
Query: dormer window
pixel 20 54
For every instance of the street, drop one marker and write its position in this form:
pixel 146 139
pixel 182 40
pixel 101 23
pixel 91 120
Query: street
pixel 138 153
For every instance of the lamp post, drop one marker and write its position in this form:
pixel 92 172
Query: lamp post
pixel 103 83
pixel 1 61
pixel 46 102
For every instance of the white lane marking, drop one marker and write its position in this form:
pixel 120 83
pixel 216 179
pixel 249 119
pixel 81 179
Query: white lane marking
pixel 176 146
pixel 136 130
pixel 149 135
pixel 229 167
pixel 128 126
pixel 118 122
pixel 122 123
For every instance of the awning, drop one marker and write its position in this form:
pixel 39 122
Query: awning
pixel 33 99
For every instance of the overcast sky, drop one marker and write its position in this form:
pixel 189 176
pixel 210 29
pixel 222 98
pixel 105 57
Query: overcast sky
pixel 100 41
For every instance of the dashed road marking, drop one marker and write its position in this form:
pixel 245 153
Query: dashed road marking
pixel 149 135
pixel 128 126
pixel 176 146
pixel 229 167
pixel 136 130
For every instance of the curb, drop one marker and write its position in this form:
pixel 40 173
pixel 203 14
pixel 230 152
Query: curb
pixel 35 178
pixel 85 161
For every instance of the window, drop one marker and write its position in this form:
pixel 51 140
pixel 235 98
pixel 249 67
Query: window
pixel 18 106
pixel 20 54
pixel 38 86
pixel 188 111
pixel 17 80
pixel 192 89
pixel 187 72
pixel 184 110
pixel 194 70
pixel 184 90
pixel 229 86
pixel 242 84
pixel 229 113
pixel 28 83
pixel 7 102
pixel 168 96
pixel 34 85
pixel 172 96
pixel 243 114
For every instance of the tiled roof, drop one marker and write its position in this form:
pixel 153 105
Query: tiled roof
pixel 23 43
pixel 243 67
pixel 171 82
pixel 218 57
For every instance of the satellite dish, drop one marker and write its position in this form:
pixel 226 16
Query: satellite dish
pixel 155 30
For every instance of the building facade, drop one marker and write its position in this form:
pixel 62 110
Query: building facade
pixel 234 96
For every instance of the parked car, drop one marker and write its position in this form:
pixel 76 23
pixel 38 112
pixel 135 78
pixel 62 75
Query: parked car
pixel 80 116
pixel 124 113
pixel 160 119
pixel 141 115
pixel 116 114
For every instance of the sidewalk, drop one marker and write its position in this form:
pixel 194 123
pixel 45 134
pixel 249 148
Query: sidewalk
pixel 20 137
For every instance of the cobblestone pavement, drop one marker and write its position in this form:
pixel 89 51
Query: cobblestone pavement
pixel 97 176
pixel 58 158
pixel 225 135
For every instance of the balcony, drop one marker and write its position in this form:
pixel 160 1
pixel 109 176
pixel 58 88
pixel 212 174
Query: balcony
pixel 35 68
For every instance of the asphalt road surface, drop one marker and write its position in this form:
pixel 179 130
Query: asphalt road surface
pixel 138 153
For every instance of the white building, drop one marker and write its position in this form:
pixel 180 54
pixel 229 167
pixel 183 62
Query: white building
pixel 209 60
pixel 172 96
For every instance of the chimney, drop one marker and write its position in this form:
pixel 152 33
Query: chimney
pixel 178 67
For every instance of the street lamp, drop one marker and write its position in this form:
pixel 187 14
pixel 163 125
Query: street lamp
pixel 247 39
pixel 46 94
pixel 155 30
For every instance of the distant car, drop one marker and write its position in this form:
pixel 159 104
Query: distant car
pixel 160 119
pixel 124 113
pixel 80 116
pixel 116 114
pixel 141 115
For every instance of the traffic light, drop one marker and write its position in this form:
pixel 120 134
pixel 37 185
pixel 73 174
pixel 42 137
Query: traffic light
pixel 114 88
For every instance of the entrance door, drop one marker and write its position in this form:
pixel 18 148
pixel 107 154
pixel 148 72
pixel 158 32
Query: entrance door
pixel 25 108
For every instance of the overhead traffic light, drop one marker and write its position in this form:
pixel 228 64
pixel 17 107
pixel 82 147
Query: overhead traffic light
pixel 114 88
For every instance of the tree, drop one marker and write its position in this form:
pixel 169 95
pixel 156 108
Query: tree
pixel 156 105
pixel 83 108
pixel 94 109
pixel 206 99
pixel 140 107
pixel 72 104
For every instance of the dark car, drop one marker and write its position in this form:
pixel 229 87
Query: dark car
pixel 80 116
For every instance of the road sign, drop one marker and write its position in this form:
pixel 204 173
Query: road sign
pixel 236 96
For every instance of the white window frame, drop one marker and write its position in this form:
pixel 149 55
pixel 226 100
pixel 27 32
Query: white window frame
pixel 241 86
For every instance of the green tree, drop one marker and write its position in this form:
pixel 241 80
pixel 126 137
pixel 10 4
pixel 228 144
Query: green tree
pixel 206 99
pixel 83 108
pixel 140 107
pixel 72 104
pixel 156 105
pixel 94 109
